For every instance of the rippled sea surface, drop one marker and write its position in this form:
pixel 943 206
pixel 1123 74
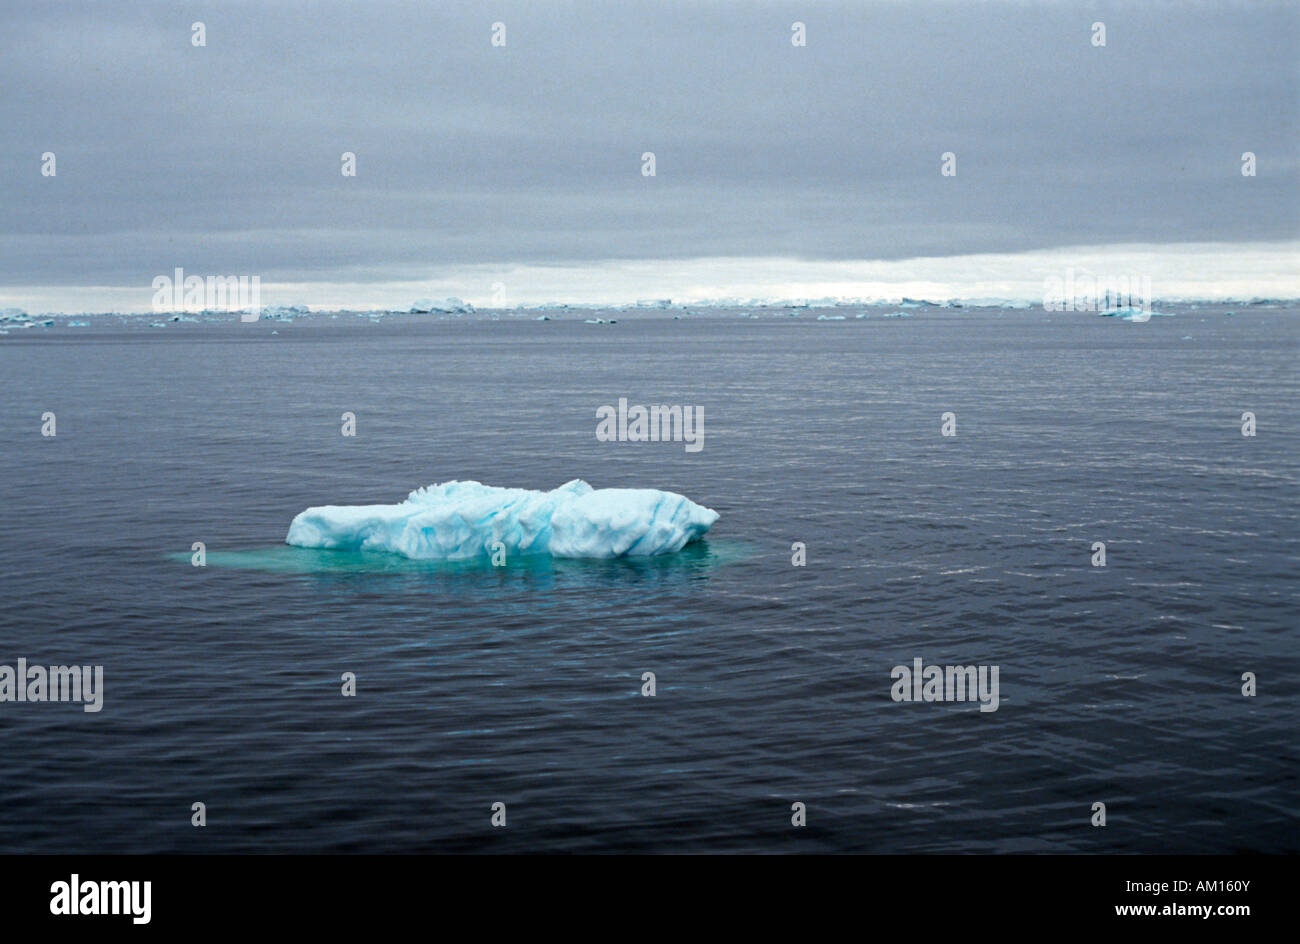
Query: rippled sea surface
pixel 522 684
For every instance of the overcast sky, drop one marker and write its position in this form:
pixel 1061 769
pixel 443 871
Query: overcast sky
pixel 226 158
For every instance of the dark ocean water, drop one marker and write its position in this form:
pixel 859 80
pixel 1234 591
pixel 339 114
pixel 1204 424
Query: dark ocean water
pixel 522 684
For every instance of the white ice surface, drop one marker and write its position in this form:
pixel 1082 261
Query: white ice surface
pixel 463 520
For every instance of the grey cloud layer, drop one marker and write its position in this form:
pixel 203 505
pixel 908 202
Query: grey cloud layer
pixel 226 158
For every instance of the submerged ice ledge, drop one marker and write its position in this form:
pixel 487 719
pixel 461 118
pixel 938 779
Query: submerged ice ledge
pixel 464 520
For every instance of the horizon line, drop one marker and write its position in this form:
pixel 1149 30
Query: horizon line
pixel 1171 272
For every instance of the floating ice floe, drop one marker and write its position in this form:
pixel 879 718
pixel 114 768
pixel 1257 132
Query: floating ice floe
pixel 465 520
pixel 1133 314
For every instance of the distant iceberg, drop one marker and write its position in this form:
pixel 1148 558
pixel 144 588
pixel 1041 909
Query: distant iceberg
pixel 465 520
pixel 1133 314
pixel 446 306
pixel 282 312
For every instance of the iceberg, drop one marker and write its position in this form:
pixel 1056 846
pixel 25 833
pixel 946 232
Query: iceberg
pixel 465 520
pixel 446 306
pixel 1133 314
pixel 283 312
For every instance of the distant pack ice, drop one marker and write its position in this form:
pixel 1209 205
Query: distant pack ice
pixel 465 520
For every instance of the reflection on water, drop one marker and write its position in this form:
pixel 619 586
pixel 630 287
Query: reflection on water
pixel 692 562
